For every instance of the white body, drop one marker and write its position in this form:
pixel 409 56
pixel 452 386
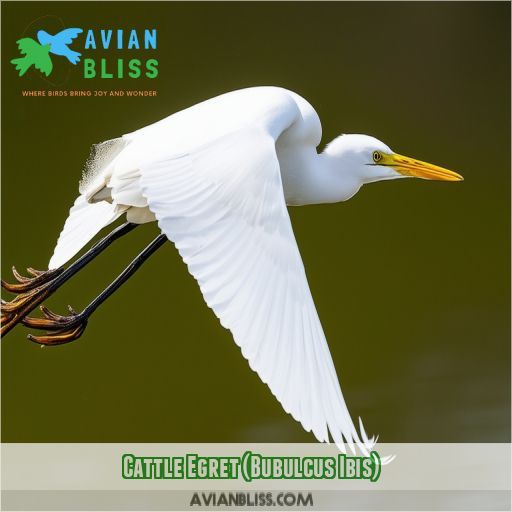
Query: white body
pixel 217 178
pixel 286 117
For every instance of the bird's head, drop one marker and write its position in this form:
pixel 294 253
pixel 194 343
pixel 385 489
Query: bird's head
pixel 43 37
pixel 369 160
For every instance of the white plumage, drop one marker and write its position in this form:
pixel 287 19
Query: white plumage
pixel 217 177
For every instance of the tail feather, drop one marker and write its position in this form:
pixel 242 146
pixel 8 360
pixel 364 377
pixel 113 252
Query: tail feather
pixel 84 221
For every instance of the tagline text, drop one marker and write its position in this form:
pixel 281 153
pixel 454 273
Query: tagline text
pixel 89 93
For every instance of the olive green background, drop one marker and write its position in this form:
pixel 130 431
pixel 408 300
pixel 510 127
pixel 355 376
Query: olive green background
pixel 411 278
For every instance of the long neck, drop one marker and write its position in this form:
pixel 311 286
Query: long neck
pixel 312 178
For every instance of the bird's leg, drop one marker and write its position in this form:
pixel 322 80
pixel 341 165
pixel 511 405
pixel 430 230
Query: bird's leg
pixel 34 290
pixel 69 328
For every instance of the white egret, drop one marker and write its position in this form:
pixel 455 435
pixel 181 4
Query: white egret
pixel 217 177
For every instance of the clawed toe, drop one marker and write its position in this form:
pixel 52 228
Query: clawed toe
pixel 25 284
pixel 19 301
pixel 60 337
pixel 64 329
pixel 30 291
pixel 52 321
pixel 6 317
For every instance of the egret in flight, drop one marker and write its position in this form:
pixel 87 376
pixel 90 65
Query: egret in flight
pixel 217 178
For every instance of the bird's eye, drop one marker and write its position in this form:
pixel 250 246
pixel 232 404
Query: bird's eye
pixel 377 157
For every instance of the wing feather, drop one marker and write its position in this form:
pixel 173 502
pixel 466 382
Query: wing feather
pixel 27 45
pixel 67 35
pixel 85 220
pixel 223 206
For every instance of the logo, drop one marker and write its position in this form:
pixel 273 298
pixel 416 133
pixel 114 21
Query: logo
pixel 104 53
pixel 37 53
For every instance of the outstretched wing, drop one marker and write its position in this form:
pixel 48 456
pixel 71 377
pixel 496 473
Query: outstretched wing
pixel 223 206
pixel 28 46
pixel 66 36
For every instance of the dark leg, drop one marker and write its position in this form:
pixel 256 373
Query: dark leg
pixel 69 328
pixel 35 290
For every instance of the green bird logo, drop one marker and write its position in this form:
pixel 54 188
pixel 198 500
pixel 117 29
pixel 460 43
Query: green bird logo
pixel 35 54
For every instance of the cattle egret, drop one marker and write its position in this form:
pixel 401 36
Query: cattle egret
pixel 217 177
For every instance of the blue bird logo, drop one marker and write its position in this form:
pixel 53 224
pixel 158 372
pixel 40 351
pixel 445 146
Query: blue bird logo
pixel 59 43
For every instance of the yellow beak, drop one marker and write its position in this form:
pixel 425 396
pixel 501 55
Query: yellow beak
pixel 412 167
